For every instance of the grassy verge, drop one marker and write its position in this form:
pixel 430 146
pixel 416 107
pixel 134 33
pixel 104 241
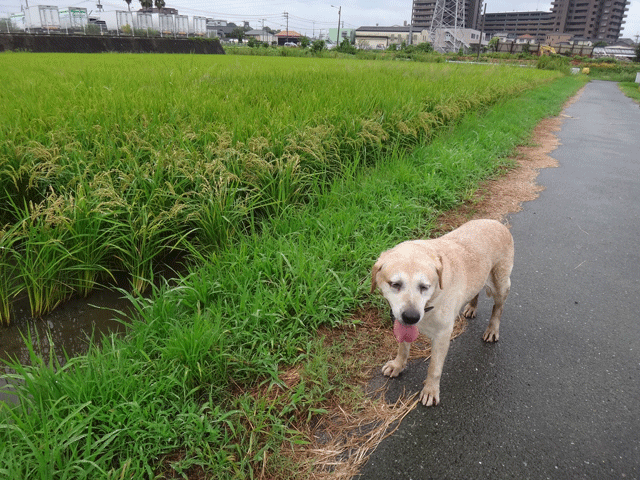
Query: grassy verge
pixel 631 90
pixel 186 393
pixel 612 71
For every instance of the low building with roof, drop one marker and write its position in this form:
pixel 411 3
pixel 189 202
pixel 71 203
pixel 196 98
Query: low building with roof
pixel 261 36
pixel 526 39
pixel 289 36
pixel 381 37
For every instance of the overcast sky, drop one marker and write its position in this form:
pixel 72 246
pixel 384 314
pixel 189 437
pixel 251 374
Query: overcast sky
pixel 308 16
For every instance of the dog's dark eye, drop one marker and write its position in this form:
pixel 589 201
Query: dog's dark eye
pixel 424 288
pixel 395 285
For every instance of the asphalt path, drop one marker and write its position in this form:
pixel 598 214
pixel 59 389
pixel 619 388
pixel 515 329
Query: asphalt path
pixel 559 395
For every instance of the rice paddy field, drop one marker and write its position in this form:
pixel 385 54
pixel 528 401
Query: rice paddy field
pixel 113 163
pixel 277 180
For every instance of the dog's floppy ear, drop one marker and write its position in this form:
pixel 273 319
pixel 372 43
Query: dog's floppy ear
pixel 374 273
pixel 376 269
pixel 439 269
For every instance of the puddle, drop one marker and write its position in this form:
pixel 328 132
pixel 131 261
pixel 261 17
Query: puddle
pixel 70 327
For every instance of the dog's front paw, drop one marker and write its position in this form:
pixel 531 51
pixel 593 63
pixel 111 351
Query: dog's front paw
pixel 430 395
pixel 392 368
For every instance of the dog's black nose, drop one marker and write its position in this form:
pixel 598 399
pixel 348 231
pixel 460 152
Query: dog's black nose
pixel 410 317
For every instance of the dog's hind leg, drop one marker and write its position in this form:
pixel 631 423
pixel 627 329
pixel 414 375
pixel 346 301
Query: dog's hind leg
pixel 501 284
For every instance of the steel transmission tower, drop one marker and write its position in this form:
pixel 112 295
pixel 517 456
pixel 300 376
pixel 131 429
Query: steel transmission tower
pixel 447 24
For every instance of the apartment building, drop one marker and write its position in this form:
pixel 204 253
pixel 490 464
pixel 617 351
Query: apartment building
pixel 599 20
pixel 536 24
pixel 422 13
pixel 596 20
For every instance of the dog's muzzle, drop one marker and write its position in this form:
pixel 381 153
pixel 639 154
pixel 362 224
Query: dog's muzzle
pixel 410 316
pixel 427 308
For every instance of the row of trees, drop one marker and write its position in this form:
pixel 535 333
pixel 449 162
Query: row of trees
pixel 145 4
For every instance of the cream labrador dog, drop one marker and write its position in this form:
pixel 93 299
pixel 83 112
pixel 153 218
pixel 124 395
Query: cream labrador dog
pixel 427 282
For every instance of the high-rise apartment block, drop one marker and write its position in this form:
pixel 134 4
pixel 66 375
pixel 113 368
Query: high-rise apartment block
pixel 536 24
pixel 598 20
pixel 423 11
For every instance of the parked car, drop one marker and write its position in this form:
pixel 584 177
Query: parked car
pixel 290 44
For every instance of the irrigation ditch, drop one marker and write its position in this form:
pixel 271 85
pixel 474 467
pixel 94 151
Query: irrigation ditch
pixel 64 332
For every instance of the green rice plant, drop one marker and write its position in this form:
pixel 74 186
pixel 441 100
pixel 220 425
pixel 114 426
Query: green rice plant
pixel 165 148
pixel 142 237
pixel 10 286
pixel 43 261
pixel 90 234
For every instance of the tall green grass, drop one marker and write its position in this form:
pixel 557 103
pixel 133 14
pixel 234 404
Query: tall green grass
pixel 181 393
pixel 631 89
pixel 136 157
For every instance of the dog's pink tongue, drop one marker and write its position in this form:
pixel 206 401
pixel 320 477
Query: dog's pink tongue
pixel 405 333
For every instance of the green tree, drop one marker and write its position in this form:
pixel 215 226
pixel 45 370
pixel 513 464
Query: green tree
pixel 159 4
pixel 346 47
pixel 317 46
pixel 304 42
pixel 146 4
pixel 5 25
pixel 238 33
pixel 425 47
pixel 493 44
pixel 638 53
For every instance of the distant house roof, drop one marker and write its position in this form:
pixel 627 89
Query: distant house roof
pixel 624 42
pixel 288 34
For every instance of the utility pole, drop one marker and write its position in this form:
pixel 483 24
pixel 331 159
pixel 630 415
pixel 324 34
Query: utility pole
pixel 338 34
pixel 482 30
pixel 286 15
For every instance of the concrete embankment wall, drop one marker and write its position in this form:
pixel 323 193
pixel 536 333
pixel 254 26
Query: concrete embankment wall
pixel 100 43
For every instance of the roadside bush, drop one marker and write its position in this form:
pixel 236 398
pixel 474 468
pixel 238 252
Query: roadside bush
pixel 553 62
pixel 346 47
pixel 425 47
pixel 318 46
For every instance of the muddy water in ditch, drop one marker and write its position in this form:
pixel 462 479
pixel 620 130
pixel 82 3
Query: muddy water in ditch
pixel 67 329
